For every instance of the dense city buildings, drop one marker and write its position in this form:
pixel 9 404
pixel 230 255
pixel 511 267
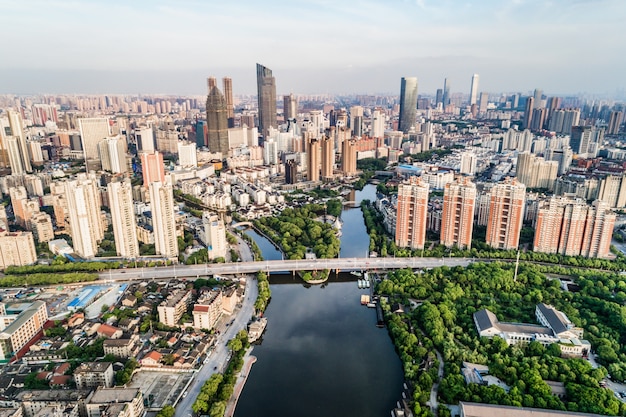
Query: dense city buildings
pixel 571 227
pixel 84 211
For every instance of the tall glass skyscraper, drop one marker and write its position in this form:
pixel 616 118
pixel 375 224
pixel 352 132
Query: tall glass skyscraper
pixel 266 93
pixel 408 103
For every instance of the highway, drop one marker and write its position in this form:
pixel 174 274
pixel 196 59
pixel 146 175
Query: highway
pixel 233 268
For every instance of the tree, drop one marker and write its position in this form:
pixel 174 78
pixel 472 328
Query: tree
pixel 167 411
pixel 235 345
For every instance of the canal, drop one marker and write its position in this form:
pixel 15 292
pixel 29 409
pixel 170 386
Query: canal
pixel 322 354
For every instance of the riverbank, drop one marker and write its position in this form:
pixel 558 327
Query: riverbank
pixel 242 377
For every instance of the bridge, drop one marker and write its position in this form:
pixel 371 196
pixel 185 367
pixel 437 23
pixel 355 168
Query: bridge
pixel 335 264
pixel 242 224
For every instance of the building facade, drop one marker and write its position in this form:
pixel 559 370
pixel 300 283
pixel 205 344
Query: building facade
pixel 457 222
pixel 506 214
pixel 411 213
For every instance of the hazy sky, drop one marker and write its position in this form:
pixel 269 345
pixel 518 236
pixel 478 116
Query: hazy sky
pixel 316 46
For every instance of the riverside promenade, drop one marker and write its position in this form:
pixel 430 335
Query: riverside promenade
pixel 248 361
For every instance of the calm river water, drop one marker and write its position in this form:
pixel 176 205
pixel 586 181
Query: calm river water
pixel 322 354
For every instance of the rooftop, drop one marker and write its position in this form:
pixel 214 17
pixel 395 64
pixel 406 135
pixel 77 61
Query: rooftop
pixel 93 367
pixel 555 319
pixel 113 395
pixel 491 410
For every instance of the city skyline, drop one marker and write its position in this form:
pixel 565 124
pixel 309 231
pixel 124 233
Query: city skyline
pixel 514 45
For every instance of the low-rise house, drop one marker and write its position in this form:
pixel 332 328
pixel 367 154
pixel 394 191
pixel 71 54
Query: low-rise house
pixel 126 402
pixel 109 332
pixel 151 359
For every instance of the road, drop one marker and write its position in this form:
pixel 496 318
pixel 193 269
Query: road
pixel 348 264
pixel 434 405
pixel 220 355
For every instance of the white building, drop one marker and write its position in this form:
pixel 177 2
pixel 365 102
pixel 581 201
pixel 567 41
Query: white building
pixel 214 236
pixel 83 202
pixel 187 156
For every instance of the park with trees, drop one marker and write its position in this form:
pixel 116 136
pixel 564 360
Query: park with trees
pixel 443 301
pixel 296 231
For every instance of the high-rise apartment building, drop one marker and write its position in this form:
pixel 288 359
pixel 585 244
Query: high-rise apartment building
pixel 227 82
pixel 163 218
pixel 457 220
pixel 214 236
pixel 152 168
pixel 93 131
pixel 535 172
pixel 217 122
pixel 469 161
pixel 19 329
pixel 290 107
pixel 348 157
pixel 123 218
pixel 83 203
pixel 144 136
pixel 411 213
pixel 580 139
pixel 187 155
pixel 506 214
pixel 211 82
pixel 16 124
pixel 573 228
pixel 356 120
pixel 612 190
pixel 17 248
pixel 41 225
pixel 112 153
pixel 537 98
pixel 474 90
pixel 408 104
pixel 378 123
pixel 313 159
pixel 484 102
pixel 328 157
pixel 266 94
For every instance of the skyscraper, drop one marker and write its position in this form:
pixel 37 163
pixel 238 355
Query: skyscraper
pixel 144 136
pixel 313 159
pixel 187 155
pixel 356 120
pixel 266 94
pixel 83 204
pixel 537 98
pixel 163 218
pixel 474 89
pixel 615 121
pixel 210 83
pixel 290 107
pixel 528 113
pixel 446 92
pixel 411 213
pixel 408 103
pixel 580 139
pixel 378 123
pixel 506 214
pixel 457 221
pixel 123 218
pixel 16 125
pixel 230 104
pixel 217 122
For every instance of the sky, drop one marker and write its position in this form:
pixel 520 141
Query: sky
pixel 314 46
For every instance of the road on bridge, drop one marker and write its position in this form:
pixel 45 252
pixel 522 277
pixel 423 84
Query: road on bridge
pixel 233 268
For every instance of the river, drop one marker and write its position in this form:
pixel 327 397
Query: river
pixel 322 354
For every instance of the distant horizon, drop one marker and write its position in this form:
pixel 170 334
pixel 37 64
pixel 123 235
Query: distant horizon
pixel 563 47
pixel 149 80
